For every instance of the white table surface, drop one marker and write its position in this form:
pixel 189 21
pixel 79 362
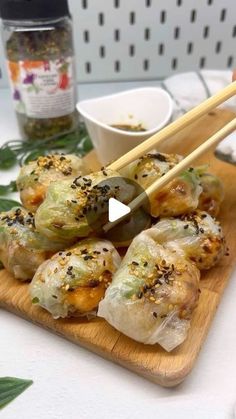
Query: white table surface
pixel 72 383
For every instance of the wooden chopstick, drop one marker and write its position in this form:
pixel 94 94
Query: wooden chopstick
pixel 182 165
pixel 175 126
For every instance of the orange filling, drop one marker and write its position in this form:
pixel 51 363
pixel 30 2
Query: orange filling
pixel 85 299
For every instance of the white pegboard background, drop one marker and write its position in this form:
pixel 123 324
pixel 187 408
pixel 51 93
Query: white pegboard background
pixel 119 40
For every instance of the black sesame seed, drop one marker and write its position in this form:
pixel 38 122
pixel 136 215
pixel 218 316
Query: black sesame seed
pixel 87 257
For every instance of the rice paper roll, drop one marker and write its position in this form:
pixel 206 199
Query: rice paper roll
pixel 196 236
pixel 35 176
pixel 77 208
pixel 181 195
pixel 73 282
pixel 152 294
pixel 22 248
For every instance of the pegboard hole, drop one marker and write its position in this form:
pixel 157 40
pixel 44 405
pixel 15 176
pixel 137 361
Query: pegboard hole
pixel 117 35
pixel 84 4
pixel 230 61
pixel 179 2
pixel 218 47
pixel 101 19
pixel 234 32
pixel 131 50
pixel 116 4
pixel 86 36
pixel 102 51
pixel 176 32
pixel 189 48
pixel 147 34
pixel 193 16
pixel 223 15
pixel 146 65
pixel 209 2
pixel 132 18
pixel 148 3
pixel 202 62
pixel 206 32
pixel 88 67
pixel 174 63
pixel 117 66
pixel 163 16
pixel 161 49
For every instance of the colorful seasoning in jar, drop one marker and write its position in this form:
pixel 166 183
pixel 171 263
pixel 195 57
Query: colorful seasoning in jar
pixel 40 59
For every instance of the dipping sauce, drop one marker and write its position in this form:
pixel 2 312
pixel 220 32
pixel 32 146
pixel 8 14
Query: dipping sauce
pixel 127 127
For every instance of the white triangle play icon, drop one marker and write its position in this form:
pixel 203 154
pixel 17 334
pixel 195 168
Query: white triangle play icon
pixel 116 210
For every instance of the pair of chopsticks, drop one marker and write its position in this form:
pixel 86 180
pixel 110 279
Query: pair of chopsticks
pixel 173 128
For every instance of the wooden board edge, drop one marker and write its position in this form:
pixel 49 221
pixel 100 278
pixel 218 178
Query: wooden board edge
pixel 162 378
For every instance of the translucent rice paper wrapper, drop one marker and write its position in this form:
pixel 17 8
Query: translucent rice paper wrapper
pixel 144 320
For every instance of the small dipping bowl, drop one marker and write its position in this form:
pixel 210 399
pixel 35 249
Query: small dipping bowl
pixel 149 107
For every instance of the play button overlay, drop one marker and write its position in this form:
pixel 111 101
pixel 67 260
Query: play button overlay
pixel 116 210
pixel 107 202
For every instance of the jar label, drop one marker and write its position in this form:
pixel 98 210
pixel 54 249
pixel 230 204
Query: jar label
pixel 43 89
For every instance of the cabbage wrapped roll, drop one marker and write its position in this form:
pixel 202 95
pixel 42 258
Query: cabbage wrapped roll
pixel 180 196
pixel 196 236
pixel 35 177
pixel 73 282
pixel 152 294
pixel 22 248
pixel 212 194
pixel 77 208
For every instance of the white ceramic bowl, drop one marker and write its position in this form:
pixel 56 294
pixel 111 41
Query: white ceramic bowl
pixel 149 106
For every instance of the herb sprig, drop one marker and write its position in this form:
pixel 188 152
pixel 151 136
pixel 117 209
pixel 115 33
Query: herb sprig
pixel 7 204
pixel 21 152
pixel 6 189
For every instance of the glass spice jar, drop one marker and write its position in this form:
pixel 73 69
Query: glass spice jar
pixel 39 49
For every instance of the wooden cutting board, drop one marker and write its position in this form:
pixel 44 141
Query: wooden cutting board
pixel 152 362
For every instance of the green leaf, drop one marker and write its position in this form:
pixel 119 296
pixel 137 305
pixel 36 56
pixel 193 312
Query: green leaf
pixel 12 186
pixel 7 157
pixel 7 204
pixel 10 388
pixel 5 189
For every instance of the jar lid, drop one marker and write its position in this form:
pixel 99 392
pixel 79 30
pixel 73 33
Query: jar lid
pixel 33 9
